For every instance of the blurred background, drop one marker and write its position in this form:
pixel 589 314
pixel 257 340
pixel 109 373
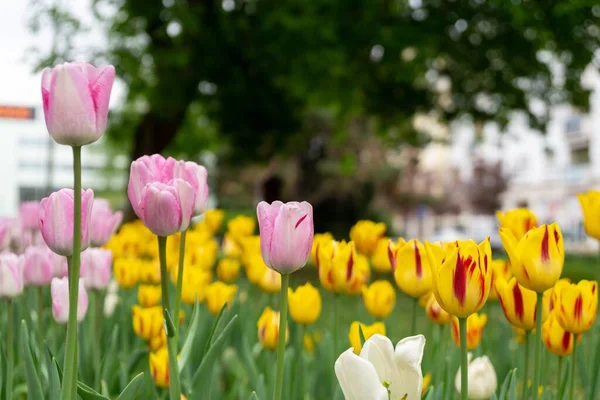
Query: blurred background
pixel 429 115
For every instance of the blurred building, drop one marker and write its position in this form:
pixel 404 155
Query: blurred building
pixel 33 165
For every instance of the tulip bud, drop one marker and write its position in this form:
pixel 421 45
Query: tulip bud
pixel 435 313
pixel 149 295
pixel 110 303
pixel 590 206
pixel 336 266
pixel 214 219
pixel 76 97
pixel 59 289
pixel 482 379
pixel 268 329
pixel 537 259
pixel 159 341
pixel 318 239
pixel 159 367
pixel 11 275
pixel 365 234
pixel 556 339
pixel 577 306
pixel 519 221
pixel 412 272
pixel 196 176
pixel 56 220
pixel 286 234
pixel 145 170
pixel 228 269
pixel 519 304
pixel 379 299
pixel 368 331
pixel 362 273
pixel 147 322
pixel 38 269
pixel 381 257
pixel 29 215
pixel 96 266
pixel 305 304
pixel 104 222
pixel 217 294
pixel 475 325
pixel 500 270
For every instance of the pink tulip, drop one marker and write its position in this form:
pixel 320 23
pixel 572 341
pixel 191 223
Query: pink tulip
pixel 96 265
pixel 167 208
pixel 11 275
pixel 28 215
pixel 286 234
pixel 6 229
pixel 60 267
pixel 59 290
pixel 38 269
pixel 76 97
pixel 145 170
pixel 56 220
pixel 104 222
pixel 196 176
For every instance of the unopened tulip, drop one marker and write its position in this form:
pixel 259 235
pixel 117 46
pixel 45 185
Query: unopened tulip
pixel 76 97
pixel 305 304
pixel 379 299
pixel 500 270
pixel 590 206
pixel 195 285
pixel 268 329
pixel 475 326
pixel 59 289
pixel 217 294
pixel 365 234
pixel 159 367
pixel 38 269
pixel 362 273
pixel 147 322
pixel 214 219
pixel 462 275
pixel 318 239
pixel 368 331
pixel 196 176
pixel 126 271
pixel 435 313
pixel 286 234
pixel 336 266
pixel 149 295
pixel 228 269
pixel 56 220
pixel 380 260
pixel 519 304
pixel 577 306
pixel 96 266
pixel 11 275
pixel 482 379
pixel 159 341
pixel 519 221
pixel 29 215
pixel 412 271
pixel 556 339
pixel 560 285
pixel 104 222
pixel 537 259
pixel 110 304
pixel 146 170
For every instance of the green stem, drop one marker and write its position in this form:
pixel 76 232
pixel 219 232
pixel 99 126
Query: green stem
pixel 70 376
pixel 335 325
pixel 413 326
pixel 538 345
pixel 10 349
pixel 285 281
pixel 174 385
pixel 96 336
pixel 40 319
pixel 573 365
pixel 560 367
pixel 300 370
pixel 526 366
pixel 179 285
pixel 464 360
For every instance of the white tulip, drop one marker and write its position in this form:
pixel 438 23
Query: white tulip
pixel 380 372
pixel 482 379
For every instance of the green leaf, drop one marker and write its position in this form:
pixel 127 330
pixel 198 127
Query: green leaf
pixel 188 345
pixel 208 342
pixel 170 327
pixel 106 364
pixel 131 390
pixel 134 360
pixel 34 387
pixel 253 396
pixel 53 379
pixel 506 386
pixel 361 334
pixel 564 379
pixel 84 391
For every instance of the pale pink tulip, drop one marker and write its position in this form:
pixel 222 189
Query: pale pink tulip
pixel 167 208
pixel 59 290
pixel 11 275
pixel 145 170
pixel 104 222
pixel 38 269
pixel 196 176
pixel 6 228
pixel 96 265
pixel 286 234
pixel 56 220
pixel 75 98
pixel 60 267
pixel 28 215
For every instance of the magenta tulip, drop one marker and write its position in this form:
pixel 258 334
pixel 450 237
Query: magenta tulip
pixel 59 290
pixel 38 269
pixel 11 275
pixel 286 234
pixel 96 265
pixel 167 208
pixel 104 222
pixel 145 170
pixel 75 98
pixel 56 220
pixel 196 176
pixel 28 215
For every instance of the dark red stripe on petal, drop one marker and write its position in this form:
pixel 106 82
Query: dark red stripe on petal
pixel 485 263
pixel 459 280
pixel 349 267
pixel 593 288
pixel 300 221
pixel 566 341
pixel 578 309
pixel 392 258
pixel 545 250
pixel 518 298
pixel 418 262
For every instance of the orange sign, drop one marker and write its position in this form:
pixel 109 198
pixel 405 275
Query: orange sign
pixel 17 112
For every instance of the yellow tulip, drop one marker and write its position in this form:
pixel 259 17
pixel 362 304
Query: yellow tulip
pixel 590 206
pixel 268 329
pixel 319 238
pixel 203 256
pixel 556 339
pixel 159 367
pixel 149 295
pixel 194 284
pixel 365 235
pixel 435 313
pixel 214 219
pixel 255 269
pixel 500 269
pixel 462 275
pixel 147 322
pixel 305 304
pixel 519 304
pixel 149 271
pixel 379 299
pixel 125 271
pixel 363 274
pixel 412 271
pixel 158 341
pixel 426 383
pixel 381 258
pixel 560 284
pixel 537 259
pixel 240 227
pixel 519 221
pixel 270 282
pixel 228 269
pixel 368 331
pixel 475 325
pixel 577 306
pixel 336 266
pixel 217 294
pixel 230 247
pixel 250 248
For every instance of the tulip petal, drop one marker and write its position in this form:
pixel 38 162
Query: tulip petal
pixel 266 214
pixel 408 355
pixel 358 378
pixel 100 88
pixel 379 351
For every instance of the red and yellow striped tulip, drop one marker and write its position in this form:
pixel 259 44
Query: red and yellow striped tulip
pixel 556 339
pixel 519 304
pixel 435 313
pixel 380 260
pixel 475 326
pixel 336 266
pixel 519 221
pixel 500 269
pixel 412 272
pixel 577 306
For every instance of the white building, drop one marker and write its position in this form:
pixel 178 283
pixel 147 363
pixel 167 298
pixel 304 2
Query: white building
pixel 33 165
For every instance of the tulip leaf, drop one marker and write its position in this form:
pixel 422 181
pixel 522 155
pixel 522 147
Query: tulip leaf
pixel 208 342
pixel 253 396
pixel 169 326
pixel 188 345
pixel 361 334
pixel 106 364
pixel 34 386
pixel 2 371
pixel 509 381
pixel 564 379
pixel 53 379
pixel 131 390
pixel 84 391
